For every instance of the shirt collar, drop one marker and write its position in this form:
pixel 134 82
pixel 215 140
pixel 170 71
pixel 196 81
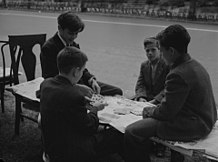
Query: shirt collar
pixel 155 62
pixel 62 40
pixel 183 58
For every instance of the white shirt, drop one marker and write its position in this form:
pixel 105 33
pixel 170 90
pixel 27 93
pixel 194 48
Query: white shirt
pixel 62 40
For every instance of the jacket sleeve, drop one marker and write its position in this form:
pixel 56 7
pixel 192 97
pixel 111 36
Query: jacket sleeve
pixel 140 89
pixel 86 76
pixel 88 122
pixel 78 117
pixel 175 96
pixel 48 62
pixel 160 96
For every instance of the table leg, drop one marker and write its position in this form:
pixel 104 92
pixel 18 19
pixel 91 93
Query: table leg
pixel 17 114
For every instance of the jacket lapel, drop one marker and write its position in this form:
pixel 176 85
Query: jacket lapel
pixel 58 42
pixel 158 72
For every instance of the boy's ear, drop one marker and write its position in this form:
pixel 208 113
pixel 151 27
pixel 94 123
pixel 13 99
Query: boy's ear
pixel 73 72
pixel 59 28
pixel 172 51
pixel 76 71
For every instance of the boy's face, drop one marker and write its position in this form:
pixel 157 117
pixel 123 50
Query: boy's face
pixel 152 52
pixel 68 35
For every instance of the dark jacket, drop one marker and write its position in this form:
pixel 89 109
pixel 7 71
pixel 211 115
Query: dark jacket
pixel 48 58
pixel 67 129
pixel 188 111
pixel 144 86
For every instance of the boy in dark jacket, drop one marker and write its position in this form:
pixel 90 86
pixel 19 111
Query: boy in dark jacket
pixel 187 112
pixel 153 72
pixel 69 26
pixel 69 130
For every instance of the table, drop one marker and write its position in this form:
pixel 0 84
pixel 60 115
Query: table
pixel 208 146
pixel 25 93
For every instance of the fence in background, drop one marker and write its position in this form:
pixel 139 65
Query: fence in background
pixel 114 9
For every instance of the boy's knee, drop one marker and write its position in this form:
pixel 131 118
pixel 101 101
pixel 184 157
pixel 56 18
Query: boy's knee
pixel 129 131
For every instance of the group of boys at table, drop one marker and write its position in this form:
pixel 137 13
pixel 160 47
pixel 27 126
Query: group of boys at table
pixel 178 87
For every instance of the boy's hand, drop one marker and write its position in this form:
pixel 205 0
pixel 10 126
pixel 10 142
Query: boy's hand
pixel 99 105
pixel 148 111
pixel 141 99
pixel 96 88
pixel 155 102
pixel 94 84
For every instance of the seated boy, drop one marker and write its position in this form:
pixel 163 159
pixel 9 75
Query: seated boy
pixel 150 83
pixel 153 72
pixel 188 110
pixel 70 132
pixel 69 26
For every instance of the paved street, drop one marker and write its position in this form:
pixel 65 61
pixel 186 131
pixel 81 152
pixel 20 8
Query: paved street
pixel 115 50
pixel 114 45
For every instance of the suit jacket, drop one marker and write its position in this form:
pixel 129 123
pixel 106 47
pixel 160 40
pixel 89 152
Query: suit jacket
pixel 67 129
pixel 188 111
pixel 48 58
pixel 145 87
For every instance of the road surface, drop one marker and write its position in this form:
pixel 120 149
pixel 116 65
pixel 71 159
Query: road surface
pixel 115 45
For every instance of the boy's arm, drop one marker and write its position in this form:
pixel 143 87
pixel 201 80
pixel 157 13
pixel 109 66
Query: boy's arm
pixel 86 74
pixel 48 62
pixel 87 123
pixel 86 77
pixel 159 96
pixel 140 89
pixel 175 95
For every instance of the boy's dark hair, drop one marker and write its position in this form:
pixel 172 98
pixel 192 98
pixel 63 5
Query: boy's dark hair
pixel 151 40
pixel 175 36
pixel 70 57
pixel 70 21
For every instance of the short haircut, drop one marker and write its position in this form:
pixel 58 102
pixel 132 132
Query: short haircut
pixel 175 36
pixel 151 40
pixel 70 57
pixel 69 20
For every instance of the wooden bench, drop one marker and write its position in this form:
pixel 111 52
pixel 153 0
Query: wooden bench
pixel 207 147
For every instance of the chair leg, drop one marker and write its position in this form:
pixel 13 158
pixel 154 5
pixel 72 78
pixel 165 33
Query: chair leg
pixel 2 99
pixel 2 102
pixel 17 115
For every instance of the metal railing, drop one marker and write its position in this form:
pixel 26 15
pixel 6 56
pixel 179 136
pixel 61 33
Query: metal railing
pixel 112 8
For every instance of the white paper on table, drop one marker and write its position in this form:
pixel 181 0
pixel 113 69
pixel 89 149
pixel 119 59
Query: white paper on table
pixel 120 111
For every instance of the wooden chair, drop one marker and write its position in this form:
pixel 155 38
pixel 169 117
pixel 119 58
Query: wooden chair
pixel 21 50
pixel 5 73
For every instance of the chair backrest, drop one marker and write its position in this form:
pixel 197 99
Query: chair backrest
pixel 3 44
pixel 21 49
